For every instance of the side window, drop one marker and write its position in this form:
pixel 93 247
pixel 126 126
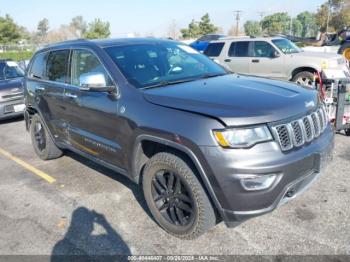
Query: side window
pixel 57 66
pixel 85 63
pixel 239 49
pixel 38 67
pixel 214 49
pixel 263 49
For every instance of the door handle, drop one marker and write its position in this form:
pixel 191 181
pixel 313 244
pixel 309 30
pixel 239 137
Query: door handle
pixel 70 95
pixel 256 61
pixel 227 60
pixel 39 88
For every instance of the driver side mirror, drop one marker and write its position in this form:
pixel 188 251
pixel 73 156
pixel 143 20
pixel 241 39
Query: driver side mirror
pixel 275 54
pixel 94 81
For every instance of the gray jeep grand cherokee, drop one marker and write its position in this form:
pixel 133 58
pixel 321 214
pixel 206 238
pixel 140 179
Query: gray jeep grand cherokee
pixel 204 145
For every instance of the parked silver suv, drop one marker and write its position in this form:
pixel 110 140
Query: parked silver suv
pixel 273 57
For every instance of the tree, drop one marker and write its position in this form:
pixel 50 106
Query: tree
pixel 196 29
pixel 98 29
pixel 252 28
pixel 10 32
pixel 78 26
pixel 278 23
pixel 336 13
pixel 297 28
pixel 192 31
pixel 308 22
pixel 43 27
pixel 205 25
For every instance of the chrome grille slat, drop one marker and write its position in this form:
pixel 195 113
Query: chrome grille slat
pixel 300 131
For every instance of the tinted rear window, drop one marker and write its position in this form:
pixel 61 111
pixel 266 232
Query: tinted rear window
pixel 57 66
pixel 38 68
pixel 214 49
pixel 239 49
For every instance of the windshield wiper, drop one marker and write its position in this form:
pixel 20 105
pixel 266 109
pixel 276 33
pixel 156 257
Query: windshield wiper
pixel 167 83
pixel 210 75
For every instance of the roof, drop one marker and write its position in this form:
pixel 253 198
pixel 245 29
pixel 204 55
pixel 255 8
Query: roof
pixel 107 42
pixel 245 38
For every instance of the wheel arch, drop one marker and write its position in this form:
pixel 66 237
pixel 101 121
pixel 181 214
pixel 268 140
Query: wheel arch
pixel 303 69
pixel 147 146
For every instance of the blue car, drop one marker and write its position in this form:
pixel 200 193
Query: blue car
pixel 202 43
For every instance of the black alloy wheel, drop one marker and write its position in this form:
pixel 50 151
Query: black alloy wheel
pixel 172 198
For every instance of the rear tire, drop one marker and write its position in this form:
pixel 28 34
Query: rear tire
pixel 176 198
pixel 304 78
pixel 42 142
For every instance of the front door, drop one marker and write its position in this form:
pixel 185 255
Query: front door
pixel 91 116
pixel 265 61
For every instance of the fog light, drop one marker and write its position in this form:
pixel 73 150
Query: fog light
pixel 258 182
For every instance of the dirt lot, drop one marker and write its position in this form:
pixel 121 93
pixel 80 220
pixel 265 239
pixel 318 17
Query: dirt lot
pixel 90 210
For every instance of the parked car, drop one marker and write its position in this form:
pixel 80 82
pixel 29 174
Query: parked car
pixel 202 43
pixel 204 145
pixel 273 57
pixel 11 90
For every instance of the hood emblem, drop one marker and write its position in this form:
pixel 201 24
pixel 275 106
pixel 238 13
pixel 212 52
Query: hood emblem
pixel 310 104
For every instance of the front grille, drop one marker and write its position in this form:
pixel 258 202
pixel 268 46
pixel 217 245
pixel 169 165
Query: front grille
pixel 301 131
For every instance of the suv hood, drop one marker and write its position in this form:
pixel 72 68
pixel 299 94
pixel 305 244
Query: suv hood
pixel 315 55
pixel 236 100
pixel 11 83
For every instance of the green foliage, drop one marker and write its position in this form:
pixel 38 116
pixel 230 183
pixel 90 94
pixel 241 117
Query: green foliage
pixel 339 15
pixel 252 28
pixel 308 23
pixel 205 25
pixel 17 56
pixel 278 23
pixel 98 29
pixel 43 27
pixel 196 29
pixel 10 32
pixel 192 31
pixel 297 28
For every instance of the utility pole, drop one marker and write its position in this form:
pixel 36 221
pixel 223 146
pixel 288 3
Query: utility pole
pixel 261 14
pixel 238 19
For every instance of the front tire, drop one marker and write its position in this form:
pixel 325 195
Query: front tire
pixel 176 198
pixel 304 78
pixel 42 142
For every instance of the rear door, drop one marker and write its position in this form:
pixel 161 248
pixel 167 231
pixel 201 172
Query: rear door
pixel 91 116
pixel 265 63
pixel 46 82
pixel 238 56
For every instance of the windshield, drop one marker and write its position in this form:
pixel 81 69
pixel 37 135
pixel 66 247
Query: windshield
pixel 149 65
pixel 286 46
pixel 10 70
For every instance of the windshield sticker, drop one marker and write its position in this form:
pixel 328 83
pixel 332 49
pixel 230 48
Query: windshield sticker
pixel 11 64
pixel 188 49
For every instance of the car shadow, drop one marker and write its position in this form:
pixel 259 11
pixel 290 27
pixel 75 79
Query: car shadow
pixel 135 188
pixel 84 241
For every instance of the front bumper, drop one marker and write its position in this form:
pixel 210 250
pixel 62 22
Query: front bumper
pixel 11 108
pixel 299 168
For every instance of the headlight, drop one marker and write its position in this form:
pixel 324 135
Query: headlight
pixel 242 137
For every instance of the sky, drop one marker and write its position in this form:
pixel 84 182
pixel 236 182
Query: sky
pixel 146 17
